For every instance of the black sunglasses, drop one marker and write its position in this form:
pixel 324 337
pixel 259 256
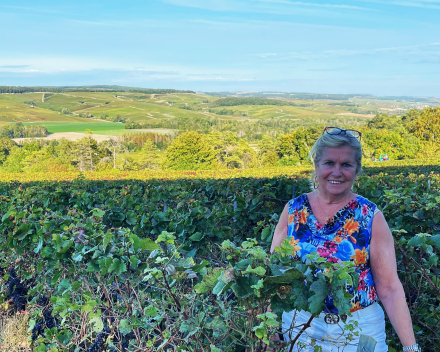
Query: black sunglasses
pixel 348 133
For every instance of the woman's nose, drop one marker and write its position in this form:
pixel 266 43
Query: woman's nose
pixel 337 171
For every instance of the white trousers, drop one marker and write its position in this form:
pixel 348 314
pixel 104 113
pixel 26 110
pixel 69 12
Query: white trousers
pixel 332 337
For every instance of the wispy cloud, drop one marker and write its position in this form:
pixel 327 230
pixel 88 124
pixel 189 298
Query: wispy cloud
pixel 267 6
pixel 14 66
pixel 327 69
pixel 429 49
pixel 312 4
pixel 123 70
pixel 427 4
pixel 406 48
pixel 30 9
pixel 267 55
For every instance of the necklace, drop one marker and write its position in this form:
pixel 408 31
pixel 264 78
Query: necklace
pixel 319 203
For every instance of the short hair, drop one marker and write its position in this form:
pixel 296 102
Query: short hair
pixel 336 141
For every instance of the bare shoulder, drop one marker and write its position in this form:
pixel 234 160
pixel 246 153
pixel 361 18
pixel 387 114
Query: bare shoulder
pixel 380 224
pixel 381 237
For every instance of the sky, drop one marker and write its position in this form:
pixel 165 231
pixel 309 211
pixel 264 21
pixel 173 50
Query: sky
pixel 381 47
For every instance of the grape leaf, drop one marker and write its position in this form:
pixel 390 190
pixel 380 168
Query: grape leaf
pixel 117 266
pixel 321 291
pixel 149 245
pixel 98 325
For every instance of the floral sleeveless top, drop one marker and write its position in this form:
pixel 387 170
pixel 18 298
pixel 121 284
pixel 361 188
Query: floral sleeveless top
pixel 346 236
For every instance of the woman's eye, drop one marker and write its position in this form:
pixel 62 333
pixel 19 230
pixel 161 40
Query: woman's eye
pixel 347 165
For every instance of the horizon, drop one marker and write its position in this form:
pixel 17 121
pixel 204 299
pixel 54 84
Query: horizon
pixel 381 47
pixel 115 88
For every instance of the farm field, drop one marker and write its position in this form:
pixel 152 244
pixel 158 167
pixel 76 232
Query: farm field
pixel 97 127
pixel 72 111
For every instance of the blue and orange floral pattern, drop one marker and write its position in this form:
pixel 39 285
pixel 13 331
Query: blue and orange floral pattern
pixel 346 236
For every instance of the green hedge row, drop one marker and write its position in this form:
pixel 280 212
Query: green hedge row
pixel 51 220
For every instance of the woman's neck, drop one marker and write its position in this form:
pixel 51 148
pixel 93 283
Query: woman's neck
pixel 331 199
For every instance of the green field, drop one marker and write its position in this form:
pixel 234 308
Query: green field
pixel 97 127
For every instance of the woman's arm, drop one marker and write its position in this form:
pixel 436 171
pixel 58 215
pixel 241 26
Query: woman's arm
pixel 388 286
pixel 281 230
pixel 279 235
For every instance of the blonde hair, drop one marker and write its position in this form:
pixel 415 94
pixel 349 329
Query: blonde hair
pixel 336 141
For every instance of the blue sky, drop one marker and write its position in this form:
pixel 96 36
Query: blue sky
pixel 382 47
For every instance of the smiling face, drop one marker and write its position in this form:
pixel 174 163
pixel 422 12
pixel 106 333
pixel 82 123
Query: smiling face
pixel 336 171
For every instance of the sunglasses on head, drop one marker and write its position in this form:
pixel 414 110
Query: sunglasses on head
pixel 348 133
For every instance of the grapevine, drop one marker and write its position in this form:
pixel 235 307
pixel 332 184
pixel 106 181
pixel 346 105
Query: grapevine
pixel 99 341
pixel 17 291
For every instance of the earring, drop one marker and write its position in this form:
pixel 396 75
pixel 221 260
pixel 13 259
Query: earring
pixel 315 184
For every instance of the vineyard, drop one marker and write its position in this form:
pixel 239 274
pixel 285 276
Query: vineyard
pixel 178 261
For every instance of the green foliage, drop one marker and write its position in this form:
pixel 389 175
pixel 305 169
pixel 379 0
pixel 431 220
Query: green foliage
pixel 297 144
pixel 427 125
pixel 395 144
pixel 185 262
pixel 383 121
pixel 18 130
pixel 6 144
pixel 190 151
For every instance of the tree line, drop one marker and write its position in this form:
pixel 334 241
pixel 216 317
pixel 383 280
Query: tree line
pixel 21 90
pixel 299 96
pixel 250 130
pixel 414 135
pixel 18 130
pixel 127 152
pixel 250 101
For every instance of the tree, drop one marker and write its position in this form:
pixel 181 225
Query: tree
pixel 34 158
pixel 149 156
pixel 427 126
pixel 297 145
pixel 66 151
pixel 86 153
pixel 410 116
pixel 383 121
pixel 395 144
pixel 191 151
pixel 267 155
pixel 6 145
pixel 14 161
pixel 113 148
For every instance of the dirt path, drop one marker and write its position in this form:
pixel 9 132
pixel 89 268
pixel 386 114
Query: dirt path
pixel 354 114
pixel 71 136
pixel 92 107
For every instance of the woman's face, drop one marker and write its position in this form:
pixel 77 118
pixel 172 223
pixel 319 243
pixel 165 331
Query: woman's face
pixel 336 171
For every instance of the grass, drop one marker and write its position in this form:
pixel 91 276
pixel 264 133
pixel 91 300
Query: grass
pixel 13 333
pixel 98 127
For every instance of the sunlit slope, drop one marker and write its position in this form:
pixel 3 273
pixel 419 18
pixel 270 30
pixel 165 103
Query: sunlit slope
pixel 73 107
pixel 13 109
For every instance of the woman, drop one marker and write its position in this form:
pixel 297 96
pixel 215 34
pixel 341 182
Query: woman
pixel 340 225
